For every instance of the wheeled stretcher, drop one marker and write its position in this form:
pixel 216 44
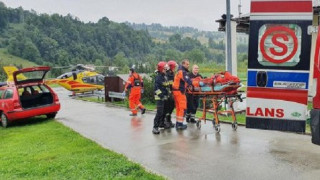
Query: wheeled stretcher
pixel 212 97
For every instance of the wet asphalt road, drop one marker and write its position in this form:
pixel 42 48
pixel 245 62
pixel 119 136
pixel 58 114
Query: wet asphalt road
pixel 194 154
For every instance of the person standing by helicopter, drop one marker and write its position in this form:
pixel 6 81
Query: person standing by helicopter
pixel 135 84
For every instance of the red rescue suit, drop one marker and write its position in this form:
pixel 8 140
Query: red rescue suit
pixel 135 83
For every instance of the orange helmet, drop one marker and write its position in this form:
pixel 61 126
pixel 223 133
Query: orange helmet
pixel 161 65
pixel 172 64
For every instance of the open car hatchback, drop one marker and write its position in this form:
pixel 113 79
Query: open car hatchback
pixel 27 96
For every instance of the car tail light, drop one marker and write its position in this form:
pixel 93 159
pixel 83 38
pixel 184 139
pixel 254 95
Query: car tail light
pixel 16 104
pixel 55 98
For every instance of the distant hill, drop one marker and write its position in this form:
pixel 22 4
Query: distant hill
pixel 163 33
pixel 63 40
pixel 57 40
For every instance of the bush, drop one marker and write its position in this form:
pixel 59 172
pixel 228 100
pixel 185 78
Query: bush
pixel 148 95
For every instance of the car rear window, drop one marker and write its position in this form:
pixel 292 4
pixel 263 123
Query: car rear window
pixel 44 88
pixel 8 94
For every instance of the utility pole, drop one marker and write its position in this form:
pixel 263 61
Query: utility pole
pixel 239 8
pixel 228 30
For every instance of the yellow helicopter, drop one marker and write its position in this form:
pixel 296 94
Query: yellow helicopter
pixel 81 79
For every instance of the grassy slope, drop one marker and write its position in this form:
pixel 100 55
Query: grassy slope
pixel 8 59
pixel 48 150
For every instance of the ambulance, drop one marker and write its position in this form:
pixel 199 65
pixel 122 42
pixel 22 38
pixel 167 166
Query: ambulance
pixel 279 64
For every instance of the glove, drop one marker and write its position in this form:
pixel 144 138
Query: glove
pixel 124 93
pixel 142 91
pixel 201 84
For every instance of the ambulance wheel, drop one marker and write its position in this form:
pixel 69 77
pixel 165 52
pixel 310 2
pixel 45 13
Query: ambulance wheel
pixel 4 120
pixel 217 128
pixel 234 126
pixel 198 123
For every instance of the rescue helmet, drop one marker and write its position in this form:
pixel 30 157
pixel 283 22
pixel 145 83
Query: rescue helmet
pixel 172 64
pixel 161 65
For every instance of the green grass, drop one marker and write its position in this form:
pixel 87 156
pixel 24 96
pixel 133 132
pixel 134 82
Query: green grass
pixel 45 149
pixel 8 59
pixel 54 85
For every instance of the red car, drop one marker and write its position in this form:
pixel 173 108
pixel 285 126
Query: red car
pixel 27 96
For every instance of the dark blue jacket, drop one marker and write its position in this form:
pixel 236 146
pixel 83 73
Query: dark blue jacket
pixel 160 86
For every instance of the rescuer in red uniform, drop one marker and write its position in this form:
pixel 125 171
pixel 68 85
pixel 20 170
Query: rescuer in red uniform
pixel 135 84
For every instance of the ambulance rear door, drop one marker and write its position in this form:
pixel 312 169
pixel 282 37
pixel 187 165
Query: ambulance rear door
pixel 278 66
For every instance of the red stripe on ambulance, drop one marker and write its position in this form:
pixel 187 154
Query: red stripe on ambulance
pixel 281 6
pixel 298 96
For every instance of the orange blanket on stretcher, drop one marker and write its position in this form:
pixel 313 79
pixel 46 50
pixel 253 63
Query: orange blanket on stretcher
pixel 223 81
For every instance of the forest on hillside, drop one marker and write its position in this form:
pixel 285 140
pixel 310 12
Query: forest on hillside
pixel 57 40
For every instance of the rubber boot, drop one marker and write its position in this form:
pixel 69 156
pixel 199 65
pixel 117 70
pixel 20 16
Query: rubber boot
pixel 155 131
pixel 188 118
pixel 132 114
pixel 181 126
pixel 162 125
pixel 143 110
pixel 192 120
pixel 168 122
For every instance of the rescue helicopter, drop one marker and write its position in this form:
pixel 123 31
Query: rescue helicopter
pixel 81 79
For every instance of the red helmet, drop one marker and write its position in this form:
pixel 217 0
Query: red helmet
pixel 172 64
pixel 161 66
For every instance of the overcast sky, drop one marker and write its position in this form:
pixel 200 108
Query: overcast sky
pixel 200 14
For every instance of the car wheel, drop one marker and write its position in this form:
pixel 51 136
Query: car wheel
pixel 4 120
pixel 51 115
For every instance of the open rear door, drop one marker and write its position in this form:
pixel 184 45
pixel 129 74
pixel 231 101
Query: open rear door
pixel 278 66
pixel 31 75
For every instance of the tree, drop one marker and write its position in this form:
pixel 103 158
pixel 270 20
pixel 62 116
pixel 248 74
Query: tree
pixel 31 52
pixel 172 54
pixel 211 43
pixel 3 16
pixel 14 47
pixel 195 55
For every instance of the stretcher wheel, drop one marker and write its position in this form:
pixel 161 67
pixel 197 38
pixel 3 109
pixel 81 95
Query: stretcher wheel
pixel 213 122
pixel 198 124
pixel 217 128
pixel 234 126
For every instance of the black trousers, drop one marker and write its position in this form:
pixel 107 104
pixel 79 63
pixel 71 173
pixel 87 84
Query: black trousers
pixel 158 119
pixel 168 107
pixel 192 104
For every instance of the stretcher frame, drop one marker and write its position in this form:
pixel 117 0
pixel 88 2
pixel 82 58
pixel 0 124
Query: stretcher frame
pixel 217 98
